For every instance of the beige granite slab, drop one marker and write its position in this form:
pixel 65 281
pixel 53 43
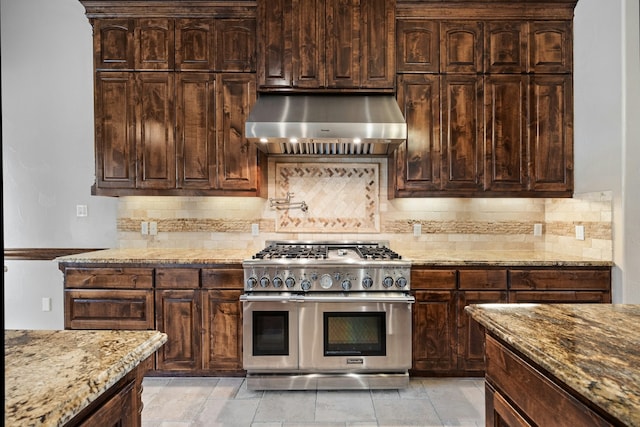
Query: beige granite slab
pixel 592 348
pixel 50 376
pixel 419 258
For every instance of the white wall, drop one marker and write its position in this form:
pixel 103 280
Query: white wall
pixel 47 151
pixel 47 140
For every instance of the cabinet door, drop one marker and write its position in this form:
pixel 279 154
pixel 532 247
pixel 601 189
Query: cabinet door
pixel 113 44
pixel 196 131
pixel 550 47
pixel 378 44
pixel 505 47
pixel 551 134
pixel 115 130
pixel 235 45
pixel 195 44
pixel 308 46
pixel 470 333
pixel 462 137
pixel 418 46
pixel 154 44
pixel 434 331
pixel 155 147
pixel 274 43
pixel 499 412
pixel 178 315
pixel 222 331
pixel 343 43
pixel 237 158
pixel 461 47
pixel 417 160
pixel 505 135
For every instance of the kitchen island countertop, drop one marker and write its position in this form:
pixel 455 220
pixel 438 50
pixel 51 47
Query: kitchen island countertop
pixel 592 348
pixel 52 375
pixel 417 257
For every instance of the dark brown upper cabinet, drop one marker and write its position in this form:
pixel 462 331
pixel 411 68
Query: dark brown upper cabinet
pixel 417 46
pixel 461 47
pixel 506 47
pixel 331 45
pixel 551 47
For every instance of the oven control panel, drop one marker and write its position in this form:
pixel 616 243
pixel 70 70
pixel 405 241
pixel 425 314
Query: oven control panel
pixel 307 279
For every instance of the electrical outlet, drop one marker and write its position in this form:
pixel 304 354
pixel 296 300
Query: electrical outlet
pixel 144 228
pixel 255 229
pixel 537 230
pixel 81 210
pixel 417 230
pixel 579 232
pixel 153 228
pixel 46 304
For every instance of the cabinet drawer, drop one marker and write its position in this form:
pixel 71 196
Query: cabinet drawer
pixel 482 279
pixel 541 400
pixel 108 309
pixel 560 297
pixel 177 278
pixel 433 279
pixel 223 278
pixel 116 278
pixel 570 279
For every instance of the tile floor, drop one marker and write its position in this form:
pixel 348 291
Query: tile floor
pixel 213 401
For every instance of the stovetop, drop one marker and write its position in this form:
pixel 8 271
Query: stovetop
pixel 327 250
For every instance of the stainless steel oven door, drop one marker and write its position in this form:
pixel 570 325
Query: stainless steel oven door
pixel 355 332
pixel 270 333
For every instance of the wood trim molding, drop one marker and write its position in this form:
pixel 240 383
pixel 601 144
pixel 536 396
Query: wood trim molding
pixel 42 254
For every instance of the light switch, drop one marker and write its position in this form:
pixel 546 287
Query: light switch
pixel 46 304
pixel 417 229
pixel 153 228
pixel 81 210
pixel 537 230
pixel 144 228
pixel 255 229
pixel 579 232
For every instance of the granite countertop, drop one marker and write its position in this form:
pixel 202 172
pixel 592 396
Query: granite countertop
pixel 50 376
pixel 417 257
pixel 592 348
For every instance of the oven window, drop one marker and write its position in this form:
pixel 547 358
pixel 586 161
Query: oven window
pixel 354 334
pixel 270 333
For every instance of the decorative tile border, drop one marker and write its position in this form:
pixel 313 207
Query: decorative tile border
pixel 182 225
pixel 342 198
pixel 459 227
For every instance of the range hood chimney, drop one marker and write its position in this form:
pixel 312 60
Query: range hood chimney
pixel 326 124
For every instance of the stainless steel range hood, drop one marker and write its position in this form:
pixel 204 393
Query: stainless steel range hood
pixel 326 124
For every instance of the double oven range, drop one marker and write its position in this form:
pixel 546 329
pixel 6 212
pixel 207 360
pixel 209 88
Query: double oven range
pixel 326 315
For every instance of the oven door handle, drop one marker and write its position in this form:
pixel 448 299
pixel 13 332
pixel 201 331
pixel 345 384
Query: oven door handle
pixel 353 298
pixel 267 298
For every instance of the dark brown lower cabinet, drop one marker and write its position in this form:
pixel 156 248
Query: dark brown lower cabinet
pixel 222 331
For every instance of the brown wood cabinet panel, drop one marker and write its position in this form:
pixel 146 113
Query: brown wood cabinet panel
pixel 418 46
pixel 195 44
pixel 482 279
pixel 119 410
pixel 308 46
pixel 237 158
pixel 274 43
pixel 505 141
pixel 154 44
pixel 499 412
pixel 177 278
pixel 115 137
pixel 178 314
pixel 588 279
pixel 559 297
pixel 551 133
pixel 417 160
pixel 235 45
pixel 470 333
pixel 461 46
pixel 155 148
pixel 434 332
pixel 506 47
pixel 223 278
pixel 113 44
pixel 342 43
pixel 108 309
pixel 222 330
pixel 378 43
pixel 462 136
pixel 551 47
pixel 108 277
pixel 422 278
pixel 533 394
pixel 196 131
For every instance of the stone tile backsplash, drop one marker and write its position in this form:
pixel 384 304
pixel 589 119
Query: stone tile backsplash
pixel 347 200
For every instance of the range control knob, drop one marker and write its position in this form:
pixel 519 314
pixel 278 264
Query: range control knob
pixel 290 282
pixel 252 282
pixel 401 282
pixel 367 282
pixel 387 282
pixel 346 284
pixel 305 284
pixel 277 282
pixel 264 281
